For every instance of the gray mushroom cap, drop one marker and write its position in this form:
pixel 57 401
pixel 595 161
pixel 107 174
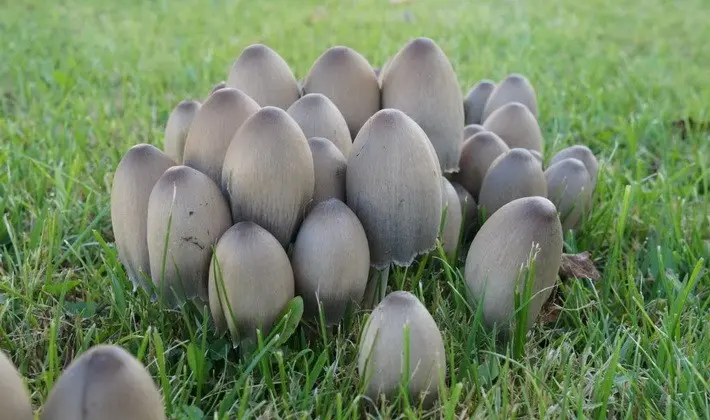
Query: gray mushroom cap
pixel 471 130
pixel 214 127
pixel 177 127
pixel 265 76
pixel 504 245
pixel 269 174
pixel 197 214
pixel 477 155
pixel 517 127
pixel 136 174
pixel 346 78
pixel 515 174
pixel 468 207
pixel 537 155
pixel 451 207
pixel 393 186
pixel 105 383
pixel 329 167
pixel 475 101
pixel 582 153
pixel 14 399
pixel 331 260
pixel 421 82
pixel 570 190
pixel 382 347
pixel 218 86
pixel 251 283
pixel 319 117
pixel 514 88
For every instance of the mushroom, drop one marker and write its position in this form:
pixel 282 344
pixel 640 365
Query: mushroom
pixel 319 117
pixel 582 153
pixel 14 399
pixel 135 176
pixel 516 125
pixel 475 101
pixel 329 166
pixel 477 154
pixel 268 172
pixel 177 127
pixel 570 189
pixel 399 324
pixel 501 252
pixel 451 208
pixel 421 82
pixel 515 174
pixel 347 79
pixel 393 186
pixel 218 86
pixel 214 127
pixel 470 130
pixel 104 383
pixel 537 155
pixel 468 208
pixel 187 214
pixel 514 88
pixel 251 283
pixel 331 260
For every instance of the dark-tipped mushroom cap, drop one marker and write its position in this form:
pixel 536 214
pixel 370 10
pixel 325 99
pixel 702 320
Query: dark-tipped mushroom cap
pixel 451 207
pixel 475 101
pixel 569 187
pixel 392 185
pixel 177 127
pixel 197 214
pixel 582 153
pixel 517 127
pixel 502 246
pixel 477 155
pixel 514 88
pixel 346 78
pixel 420 81
pixel 319 117
pixel 329 167
pixel 14 399
pixel 105 383
pixel 382 346
pixel 135 176
pixel 268 172
pixel 471 130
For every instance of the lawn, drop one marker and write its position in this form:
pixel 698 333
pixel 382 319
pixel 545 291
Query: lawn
pixel 82 81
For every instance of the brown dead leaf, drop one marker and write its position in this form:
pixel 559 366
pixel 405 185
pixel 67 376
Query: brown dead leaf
pixel 578 266
pixel 691 125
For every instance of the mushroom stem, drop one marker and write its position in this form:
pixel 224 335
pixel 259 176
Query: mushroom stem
pixel 376 287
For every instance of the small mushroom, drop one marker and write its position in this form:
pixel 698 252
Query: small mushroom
pixel 582 153
pixel 537 155
pixel 319 117
pixel 468 208
pixel 177 127
pixel 14 399
pixel 471 130
pixel 516 125
pixel 515 174
pixel 268 172
pixel 218 86
pixel 477 154
pixel 192 207
pixel 381 355
pixel 331 260
pixel 136 174
pixel 347 79
pixel 329 167
pixel 475 101
pixel 570 189
pixel 421 82
pixel 514 88
pixel 104 383
pixel 214 127
pixel 451 208
pixel 265 76
pixel 251 283
pixel 520 229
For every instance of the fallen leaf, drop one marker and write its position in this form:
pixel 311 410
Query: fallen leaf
pixel 551 309
pixel 578 266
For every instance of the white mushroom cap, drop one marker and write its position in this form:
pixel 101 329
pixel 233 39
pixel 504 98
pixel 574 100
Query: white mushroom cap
pixel 177 127
pixel 475 101
pixel 477 155
pixel 319 117
pixel 516 125
pixel 582 153
pixel 14 399
pixel 514 88
pixel 329 167
pixel 570 190
pixel 451 206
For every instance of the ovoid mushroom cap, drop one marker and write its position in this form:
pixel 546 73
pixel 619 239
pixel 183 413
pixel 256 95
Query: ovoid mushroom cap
pixel 218 86
pixel 515 174
pixel 502 247
pixel 198 215
pixel 475 101
pixel 514 88
pixel 329 167
pixel 251 283
pixel 214 127
pixel 468 206
pixel 537 155
pixel 517 127
pixel 382 346
pixel 582 153
pixel 477 155
pixel 392 184
pixel 331 260
pixel 136 174
pixel 421 82
pixel 319 117
pixel 570 190
pixel 471 130
pixel 177 127
pixel 264 75
pixel 451 206
pixel 14 399
pixel 268 172
pixel 105 383
pixel 346 78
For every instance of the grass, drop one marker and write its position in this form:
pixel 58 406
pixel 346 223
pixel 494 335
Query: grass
pixel 82 81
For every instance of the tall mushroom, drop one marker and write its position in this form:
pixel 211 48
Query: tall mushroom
pixel 14 399
pixel 475 101
pixel 177 127
pixel 330 167
pixel 319 117
pixel 569 187
pixel 516 125
pixel 514 88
